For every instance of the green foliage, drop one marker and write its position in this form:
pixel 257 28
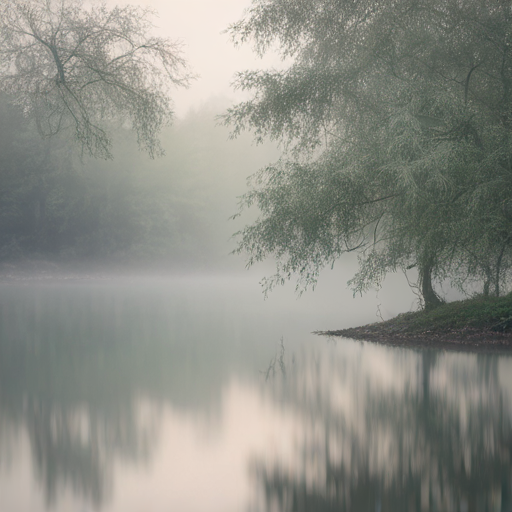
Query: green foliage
pixel 396 122
pixel 78 67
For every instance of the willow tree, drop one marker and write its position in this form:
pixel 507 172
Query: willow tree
pixel 79 67
pixel 395 119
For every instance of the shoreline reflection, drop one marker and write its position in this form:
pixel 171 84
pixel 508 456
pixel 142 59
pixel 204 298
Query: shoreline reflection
pixel 113 398
pixel 393 430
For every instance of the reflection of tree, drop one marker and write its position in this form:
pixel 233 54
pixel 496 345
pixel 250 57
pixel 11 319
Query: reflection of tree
pixel 430 444
pixel 60 458
pixel 75 433
pixel 72 448
pixel 76 363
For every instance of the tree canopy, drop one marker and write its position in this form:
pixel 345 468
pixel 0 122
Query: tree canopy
pixel 73 66
pixel 396 120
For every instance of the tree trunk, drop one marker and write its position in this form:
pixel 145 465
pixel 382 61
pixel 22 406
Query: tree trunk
pixel 430 298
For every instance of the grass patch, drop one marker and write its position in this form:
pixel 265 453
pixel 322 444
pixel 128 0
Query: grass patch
pixel 493 313
pixel 484 322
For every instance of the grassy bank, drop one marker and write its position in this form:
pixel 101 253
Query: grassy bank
pixel 481 321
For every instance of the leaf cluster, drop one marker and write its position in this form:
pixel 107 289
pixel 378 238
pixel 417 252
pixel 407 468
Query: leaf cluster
pixel 396 123
pixel 72 66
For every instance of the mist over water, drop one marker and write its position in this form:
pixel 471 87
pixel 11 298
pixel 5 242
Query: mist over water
pixel 193 393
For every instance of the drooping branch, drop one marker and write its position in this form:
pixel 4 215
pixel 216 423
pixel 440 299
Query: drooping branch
pixel 107 67
pixel 466 83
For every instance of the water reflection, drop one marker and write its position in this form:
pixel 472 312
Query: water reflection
pixel 393 430
pixel 113 397
pixel 79 363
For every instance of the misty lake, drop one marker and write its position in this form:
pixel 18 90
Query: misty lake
pixel 193 394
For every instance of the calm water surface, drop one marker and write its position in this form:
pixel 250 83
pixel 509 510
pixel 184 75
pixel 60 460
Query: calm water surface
pixel 195 395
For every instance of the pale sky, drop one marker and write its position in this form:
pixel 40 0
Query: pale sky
pixel 199 24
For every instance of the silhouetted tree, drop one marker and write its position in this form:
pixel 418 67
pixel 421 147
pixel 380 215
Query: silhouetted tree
pixel 72 66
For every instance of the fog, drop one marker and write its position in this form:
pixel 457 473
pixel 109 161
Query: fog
pixel 200 26
pixel 77 218
pixel 172 211
pixel 71 217
pixel 66 214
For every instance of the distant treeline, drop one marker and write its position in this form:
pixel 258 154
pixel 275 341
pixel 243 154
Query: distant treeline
pixel 172 210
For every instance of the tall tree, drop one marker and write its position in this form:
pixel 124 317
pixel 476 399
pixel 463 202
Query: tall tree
pixel 396 121
pixel 79 67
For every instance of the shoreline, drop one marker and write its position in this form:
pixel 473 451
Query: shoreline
pixel 455 339
pixel 472 324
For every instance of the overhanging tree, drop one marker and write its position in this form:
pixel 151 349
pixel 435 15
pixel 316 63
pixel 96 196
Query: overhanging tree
pixel 396 121
pixel 72 66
